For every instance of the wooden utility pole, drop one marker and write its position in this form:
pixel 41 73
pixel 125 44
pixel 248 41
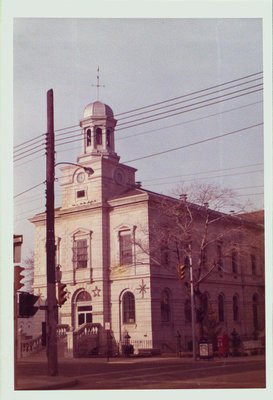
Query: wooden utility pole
pixel 50 241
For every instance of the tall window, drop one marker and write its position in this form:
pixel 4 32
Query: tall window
pixel 88 137
pixel 205 304
pixel 98 136
pixel 84 308
pixel 235 308
pixel 234 261
pixel 80 254
pixel 219 257
pixel 108 137
pixel 129 314
pixel 253 264
pixel 187 310
pixel 221 308
pixel 165 306
pixel 125 247
pixel 164 254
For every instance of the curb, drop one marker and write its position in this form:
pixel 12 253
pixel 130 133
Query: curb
pixel 47 385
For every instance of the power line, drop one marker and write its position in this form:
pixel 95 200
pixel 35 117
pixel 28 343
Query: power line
pixel 195 143
pixel 29 141
pixel 162 102
pixel 199 91
pixel 27 155
pixel 197 97
pixel 64 140
pixel 28 161
pixel 174 98
pixel 27 190
pixel 250 194
pixel 30 149
pixel 206 177
pixel 204 172
pixel 189 121
pixel 182 112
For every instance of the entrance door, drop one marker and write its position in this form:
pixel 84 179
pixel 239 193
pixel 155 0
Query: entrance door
pixel 84 314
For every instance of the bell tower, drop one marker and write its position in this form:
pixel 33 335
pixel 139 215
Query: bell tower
pixel 98 132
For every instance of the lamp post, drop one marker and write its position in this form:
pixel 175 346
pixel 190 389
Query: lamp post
pixel 89 170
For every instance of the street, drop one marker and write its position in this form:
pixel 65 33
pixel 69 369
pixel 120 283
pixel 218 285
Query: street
pixel 155 373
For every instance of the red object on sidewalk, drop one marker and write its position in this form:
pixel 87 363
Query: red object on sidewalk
pixel 223 345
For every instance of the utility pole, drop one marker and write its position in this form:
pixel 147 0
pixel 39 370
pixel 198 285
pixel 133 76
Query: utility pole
pixel 50 241
pixel 192 307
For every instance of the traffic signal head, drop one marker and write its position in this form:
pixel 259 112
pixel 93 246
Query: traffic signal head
pixel 26 305
pixel 18 277
pixel 62 293
pixel 182 271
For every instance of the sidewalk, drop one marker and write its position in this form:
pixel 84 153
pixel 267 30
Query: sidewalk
pixel 43 382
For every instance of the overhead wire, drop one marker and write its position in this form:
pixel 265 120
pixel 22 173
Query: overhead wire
pixel 205 177
pixel 195 143
pixel 194 98
pixel 203 172
pixel 189 121
pixel 66 140
pixel 182 112
pixel 27 155
pixel 198 91
pixel 28 190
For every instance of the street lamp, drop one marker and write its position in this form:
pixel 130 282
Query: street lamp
pixel 89 170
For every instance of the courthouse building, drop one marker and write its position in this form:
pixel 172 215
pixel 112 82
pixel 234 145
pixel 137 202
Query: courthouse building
pixel 103 228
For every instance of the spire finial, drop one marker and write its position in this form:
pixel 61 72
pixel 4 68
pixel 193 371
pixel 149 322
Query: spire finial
pixel 98 82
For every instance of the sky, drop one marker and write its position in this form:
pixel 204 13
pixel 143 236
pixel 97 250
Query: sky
pixel 142 61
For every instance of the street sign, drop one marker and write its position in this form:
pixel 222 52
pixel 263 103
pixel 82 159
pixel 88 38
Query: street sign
pixel 107 326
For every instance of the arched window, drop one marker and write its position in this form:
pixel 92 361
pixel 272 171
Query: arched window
pixel 187 310
pixel 98 136
pixel 221 308
pixel 255 302
pixel 108 138
pixel 253 264
pixel 88 137
pixel 165 306
pixel 205 304
pixel 234 261
pixel 235 308
pixel 128 302
pixel 164 254
pixel 84 308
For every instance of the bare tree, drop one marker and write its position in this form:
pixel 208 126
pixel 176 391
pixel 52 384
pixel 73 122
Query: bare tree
pixel 198 227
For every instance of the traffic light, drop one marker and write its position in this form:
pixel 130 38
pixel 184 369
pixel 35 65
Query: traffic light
pixel 182 271
pixel 18 277
pixel 26 305
pixel 62 293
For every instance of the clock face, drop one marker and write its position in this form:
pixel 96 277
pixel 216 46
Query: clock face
pixel 80 177
pixel 119 176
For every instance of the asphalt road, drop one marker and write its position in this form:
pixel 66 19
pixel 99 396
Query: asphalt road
pixel 157 373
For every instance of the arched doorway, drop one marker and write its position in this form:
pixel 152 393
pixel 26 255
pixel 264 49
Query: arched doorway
pixel 82 308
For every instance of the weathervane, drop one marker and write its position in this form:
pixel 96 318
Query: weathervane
pixel 98 82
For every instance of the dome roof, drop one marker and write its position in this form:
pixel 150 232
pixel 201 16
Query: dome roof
pixel 98 109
